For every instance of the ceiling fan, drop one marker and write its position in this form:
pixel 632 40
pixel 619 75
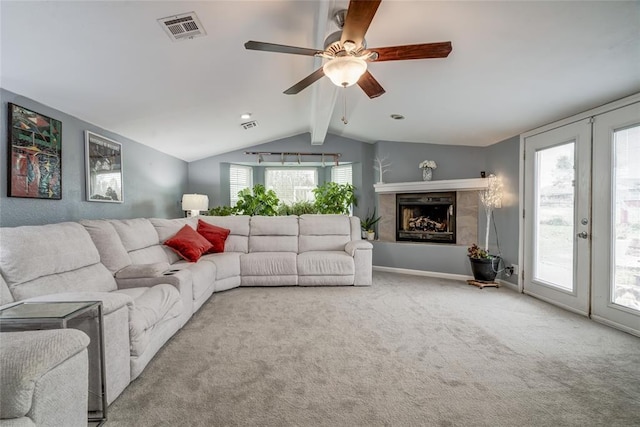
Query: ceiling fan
pixel 347 54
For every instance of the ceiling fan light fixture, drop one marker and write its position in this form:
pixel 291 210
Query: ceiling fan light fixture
pixel 345 71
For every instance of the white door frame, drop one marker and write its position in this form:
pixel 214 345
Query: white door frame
pixel 604 309
pixel 521 184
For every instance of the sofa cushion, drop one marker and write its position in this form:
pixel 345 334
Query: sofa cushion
pixel 169 227
pixel 151 307
pixel 26 357
pixel 268 264
pixel 203 275
pixel 30 252
pixel 112 252
pixel 322 243
pixel 5 292
pixel 227 264
pixel 324 232
pixel 274 225
pixel 135 233
pixel 217 236
pixel 325 263
pixel 322 225
pixel 154 254
pixel 189 244
pixel 238 240
pixel 111 301
pixel 94 278
pixel 274 234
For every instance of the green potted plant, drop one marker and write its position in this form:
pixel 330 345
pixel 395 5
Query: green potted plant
pixel 367 225
pixel 333 198
pixel 483 265
pixel 260 201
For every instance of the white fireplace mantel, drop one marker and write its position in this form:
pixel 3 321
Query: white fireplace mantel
pixel 425 186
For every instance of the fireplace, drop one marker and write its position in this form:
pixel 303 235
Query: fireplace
pixel 426 217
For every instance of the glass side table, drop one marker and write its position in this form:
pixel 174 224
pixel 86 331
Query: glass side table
pixel 83 315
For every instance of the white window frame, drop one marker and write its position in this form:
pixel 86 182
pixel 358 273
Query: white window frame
pixel 335 177
pixel 234 181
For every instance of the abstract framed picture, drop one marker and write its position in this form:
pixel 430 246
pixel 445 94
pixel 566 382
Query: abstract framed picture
pixel 103 169
pixel 35 155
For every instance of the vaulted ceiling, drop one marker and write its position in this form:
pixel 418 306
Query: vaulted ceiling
pixel 515 65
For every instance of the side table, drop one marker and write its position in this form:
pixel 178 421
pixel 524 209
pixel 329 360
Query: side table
pixel 83 315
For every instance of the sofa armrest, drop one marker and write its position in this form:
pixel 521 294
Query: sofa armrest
pixel 177 278
pixel 111 301
pixel 136 271
pixel 355 245
pixel 26 361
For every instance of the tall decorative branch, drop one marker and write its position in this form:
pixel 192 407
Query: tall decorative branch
pixel 491 198
pixel 382 166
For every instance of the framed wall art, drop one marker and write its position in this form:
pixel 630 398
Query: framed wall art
pixel 103 169
pixel 35 155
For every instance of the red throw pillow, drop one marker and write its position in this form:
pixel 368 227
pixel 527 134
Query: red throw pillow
pixel 188 244
pixel 214 234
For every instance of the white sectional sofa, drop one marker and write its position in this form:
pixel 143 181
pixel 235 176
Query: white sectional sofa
pixel 149 292
pixel 27 374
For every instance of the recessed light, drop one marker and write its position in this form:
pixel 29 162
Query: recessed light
pixel 245 116
pixel 397 117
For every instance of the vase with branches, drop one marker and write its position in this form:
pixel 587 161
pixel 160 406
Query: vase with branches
pixel 381 165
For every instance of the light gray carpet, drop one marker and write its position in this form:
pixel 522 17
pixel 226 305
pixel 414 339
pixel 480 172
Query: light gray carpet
pixel 407 351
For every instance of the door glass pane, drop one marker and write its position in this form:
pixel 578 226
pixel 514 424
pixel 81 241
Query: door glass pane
pixel 554 233
pixel 626 203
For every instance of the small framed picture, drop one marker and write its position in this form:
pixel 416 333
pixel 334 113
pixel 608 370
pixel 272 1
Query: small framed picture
pixel 35 155
pixel 103 169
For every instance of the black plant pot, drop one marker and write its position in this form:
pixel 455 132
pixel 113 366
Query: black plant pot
pixel 484 269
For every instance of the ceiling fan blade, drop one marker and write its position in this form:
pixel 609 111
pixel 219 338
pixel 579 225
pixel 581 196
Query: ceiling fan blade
pixel 304 83
pixel 359 16
pixel 370 85
pixel 413 51
pixel 280 48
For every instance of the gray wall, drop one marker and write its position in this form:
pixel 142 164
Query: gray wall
pixel 211 175
pixel 153 181
pixel 503 160
pixel 454 162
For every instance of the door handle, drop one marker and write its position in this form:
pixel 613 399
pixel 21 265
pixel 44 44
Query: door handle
pixel 582 235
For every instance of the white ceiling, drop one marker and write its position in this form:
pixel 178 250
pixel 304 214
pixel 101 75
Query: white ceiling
pixel 515 65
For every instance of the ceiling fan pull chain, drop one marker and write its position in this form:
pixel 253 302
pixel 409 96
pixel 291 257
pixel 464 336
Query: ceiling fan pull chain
pixel 344 110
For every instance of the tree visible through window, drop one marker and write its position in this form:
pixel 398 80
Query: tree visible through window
pixel 292 184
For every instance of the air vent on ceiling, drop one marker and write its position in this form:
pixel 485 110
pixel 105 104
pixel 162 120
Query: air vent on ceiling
pixel 249 125
pixel 182 27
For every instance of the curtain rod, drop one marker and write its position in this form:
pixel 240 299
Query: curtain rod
pixel 336 156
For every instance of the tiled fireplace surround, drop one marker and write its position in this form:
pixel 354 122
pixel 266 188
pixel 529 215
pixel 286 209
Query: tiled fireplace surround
pixel 466 206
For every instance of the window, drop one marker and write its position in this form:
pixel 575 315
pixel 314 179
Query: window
pixel 240 177
pixel 292 185
pixel 341 174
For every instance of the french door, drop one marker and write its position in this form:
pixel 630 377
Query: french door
pixel 582 216
pixel 557 216
pixel 616 218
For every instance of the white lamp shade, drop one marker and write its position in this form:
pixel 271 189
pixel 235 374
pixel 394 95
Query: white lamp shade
pixel 195 202
pixel 345 70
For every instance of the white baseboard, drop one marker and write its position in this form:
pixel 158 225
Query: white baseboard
pixel 506 284
pixel 438 275
pixel 422 273
pixel 616 325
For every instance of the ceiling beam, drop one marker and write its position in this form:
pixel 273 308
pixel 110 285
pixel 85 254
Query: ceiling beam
pixel 325 93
